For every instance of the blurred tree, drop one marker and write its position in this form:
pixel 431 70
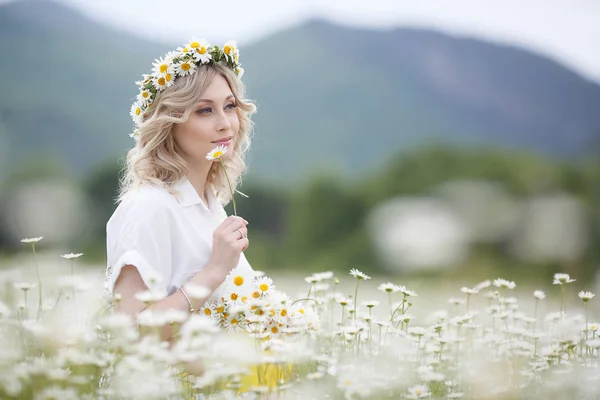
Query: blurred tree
pixel 324 221
pixel 101 187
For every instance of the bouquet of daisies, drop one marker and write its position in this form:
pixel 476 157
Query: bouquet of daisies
pixel 254 306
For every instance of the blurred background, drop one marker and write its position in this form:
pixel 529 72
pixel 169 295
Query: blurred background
pixel 400 138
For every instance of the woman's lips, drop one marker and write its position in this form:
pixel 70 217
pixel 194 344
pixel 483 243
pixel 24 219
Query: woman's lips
pixel 223 141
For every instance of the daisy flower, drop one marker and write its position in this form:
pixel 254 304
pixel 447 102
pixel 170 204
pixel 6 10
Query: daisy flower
pixel 359 275
pixel 161 82
pixel 71 256
pixel 144 97
pixel 406 292
pixel 538 294
pixel 239 70
pixel 467 290
pixel 586 296
pixel 185 67
pixel 238 280
pixel 135 134
pixel 503 283
pixel 198 48
pixel 163 66
pixel 32 240
pixel 370 304
pixel 418 392
pixel 388 287
pixel 264 284
pixel 24 286
pixel 560 279
pixel 216 153
pixel 136 113
pixel 231 51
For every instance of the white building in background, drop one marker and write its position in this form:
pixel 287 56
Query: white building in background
pixel 552 228
pixel 54 209
pixel 436 232
pixel 490 213
pixel 418 233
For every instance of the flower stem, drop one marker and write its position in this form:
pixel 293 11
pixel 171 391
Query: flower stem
pixel 230 188
pixel 355 295
pixel 37 269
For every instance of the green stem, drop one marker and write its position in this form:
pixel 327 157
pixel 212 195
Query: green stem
pixel 37 269
pixel 230 188
pixel 355 295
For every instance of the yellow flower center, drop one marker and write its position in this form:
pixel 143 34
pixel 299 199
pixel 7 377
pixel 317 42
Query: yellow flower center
pixel 244 299
pixel 220 309
pixel 264 287
pixel 138 111
pixel 283 312
pixel 417 391
pixel 217 154
pixel 194 45
pixel 185 50
pixel 260 312
pixel 164 68
pixel 238 280
pixel 234 296
pixel 161 81
pixel 227 49
pixel 202 50
pixel 185 66
pixel 256 295
pixel 234 322
pixel 207 311
pixel 271 312
pixel 145 94
pixel 168 77
pixel 274 329
pixel 301 311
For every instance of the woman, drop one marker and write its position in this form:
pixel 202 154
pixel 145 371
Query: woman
pixel 170 228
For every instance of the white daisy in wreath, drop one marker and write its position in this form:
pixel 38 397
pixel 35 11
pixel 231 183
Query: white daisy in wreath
pixel 144 97
pixel 162 66
pixel 230 49
pixel 136 113
pixel 162 82
pixel 185 67
pixel 199 49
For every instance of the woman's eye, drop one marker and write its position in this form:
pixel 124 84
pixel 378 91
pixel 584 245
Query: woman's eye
pixel 231 106
pixel 204 110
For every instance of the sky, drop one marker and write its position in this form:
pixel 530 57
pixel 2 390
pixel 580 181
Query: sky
pixel 566 30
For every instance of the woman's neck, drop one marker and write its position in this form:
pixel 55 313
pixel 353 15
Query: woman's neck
pixel 198 176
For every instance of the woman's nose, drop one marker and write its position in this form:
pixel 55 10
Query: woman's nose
pixel 223 123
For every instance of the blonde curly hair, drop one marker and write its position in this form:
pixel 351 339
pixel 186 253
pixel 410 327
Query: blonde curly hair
pixel 155 160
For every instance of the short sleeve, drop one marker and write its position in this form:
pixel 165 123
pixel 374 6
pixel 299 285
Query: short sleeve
pixel 139 234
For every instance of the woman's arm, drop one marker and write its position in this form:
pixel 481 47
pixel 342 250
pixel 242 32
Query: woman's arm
pixel 130 282
pixel 229 240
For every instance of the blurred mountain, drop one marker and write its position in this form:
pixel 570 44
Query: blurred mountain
pixel 327 95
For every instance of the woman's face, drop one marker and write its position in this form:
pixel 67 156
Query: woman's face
pixel 213 120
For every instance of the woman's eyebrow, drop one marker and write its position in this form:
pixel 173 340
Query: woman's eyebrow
pixel 210 101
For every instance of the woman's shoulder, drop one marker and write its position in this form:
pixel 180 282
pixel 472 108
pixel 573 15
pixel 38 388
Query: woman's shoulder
pixel 146 201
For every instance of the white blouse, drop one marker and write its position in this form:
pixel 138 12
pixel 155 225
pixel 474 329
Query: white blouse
pixel 167 237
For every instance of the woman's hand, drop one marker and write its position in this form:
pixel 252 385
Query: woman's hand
pixel 229 240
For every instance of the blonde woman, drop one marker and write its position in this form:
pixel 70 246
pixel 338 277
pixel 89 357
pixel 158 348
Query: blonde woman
pixel 170 228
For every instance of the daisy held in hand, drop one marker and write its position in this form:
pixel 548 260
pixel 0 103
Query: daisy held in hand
pixel 215 155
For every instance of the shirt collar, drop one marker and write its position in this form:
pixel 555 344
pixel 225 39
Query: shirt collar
pixel 187 195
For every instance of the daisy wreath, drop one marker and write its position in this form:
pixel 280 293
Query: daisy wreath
pixel 180 63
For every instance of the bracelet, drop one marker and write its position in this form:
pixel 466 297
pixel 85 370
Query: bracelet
pixel 188 300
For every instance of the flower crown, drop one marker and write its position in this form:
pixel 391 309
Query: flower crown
pixel 180 63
